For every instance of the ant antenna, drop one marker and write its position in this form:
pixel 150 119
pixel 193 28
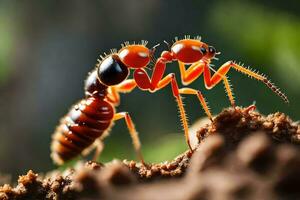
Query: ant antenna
pixel 168 44
pixel 152 56
pixel 153 49
pixel 217 53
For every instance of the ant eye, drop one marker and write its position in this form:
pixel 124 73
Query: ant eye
pixel 211 50
pixel 112 71
pixel 203 50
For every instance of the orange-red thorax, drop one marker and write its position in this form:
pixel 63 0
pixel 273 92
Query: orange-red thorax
pixel 135 56
pixel 188 50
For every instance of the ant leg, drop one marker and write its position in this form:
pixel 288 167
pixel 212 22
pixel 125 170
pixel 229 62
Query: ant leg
pixel 228 89
pixel 262 78
pixel 163 83
pixel 200 97
pixel 124 87
pixel 192 73
pixel 142 78
pixel 133 133
pixel 98 145
pixel 113 96
pixel 210 82
pixel 99 148
pixel 157 82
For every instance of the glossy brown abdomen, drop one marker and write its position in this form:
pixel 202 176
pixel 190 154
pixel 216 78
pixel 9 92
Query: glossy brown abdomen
pixel 85 122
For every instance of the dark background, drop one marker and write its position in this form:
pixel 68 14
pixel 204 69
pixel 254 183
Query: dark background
pixel 48 47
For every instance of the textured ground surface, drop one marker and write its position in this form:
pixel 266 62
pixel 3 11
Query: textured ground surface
pixel 242 155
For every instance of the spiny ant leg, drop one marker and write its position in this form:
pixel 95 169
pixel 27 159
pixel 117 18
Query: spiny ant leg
pixel 229 92
pixel 262 78
pixel 219 75
pixel 157 82
pixel 200 97
pixel 163 83
pixel 133 133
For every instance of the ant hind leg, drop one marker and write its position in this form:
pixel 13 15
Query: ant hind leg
pixel 133 133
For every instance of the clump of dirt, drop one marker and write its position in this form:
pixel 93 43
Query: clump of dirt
pixel 235 124
pixel 241 155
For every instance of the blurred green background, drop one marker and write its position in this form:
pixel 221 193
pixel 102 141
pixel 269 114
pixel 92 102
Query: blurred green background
pixel 48 47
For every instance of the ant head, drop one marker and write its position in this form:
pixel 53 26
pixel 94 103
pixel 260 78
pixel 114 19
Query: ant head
pixel 111 70
pixel 136 55
pixel 208 52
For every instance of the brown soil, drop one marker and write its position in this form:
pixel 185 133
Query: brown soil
pixel 241 155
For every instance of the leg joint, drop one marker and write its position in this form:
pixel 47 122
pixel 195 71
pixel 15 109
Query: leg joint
pixel 199 92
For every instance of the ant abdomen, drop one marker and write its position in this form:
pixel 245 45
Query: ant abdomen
pixel 85 122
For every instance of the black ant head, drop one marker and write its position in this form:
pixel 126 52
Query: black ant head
pixel 112 71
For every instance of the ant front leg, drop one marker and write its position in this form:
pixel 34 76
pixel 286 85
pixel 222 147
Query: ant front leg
pixel 219 75
pixel 195 70
pixel 142 79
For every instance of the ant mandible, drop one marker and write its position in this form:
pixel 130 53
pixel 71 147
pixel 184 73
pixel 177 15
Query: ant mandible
pixel 90 120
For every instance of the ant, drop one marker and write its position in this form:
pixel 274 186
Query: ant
pixel 91 119
pixel 199 55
